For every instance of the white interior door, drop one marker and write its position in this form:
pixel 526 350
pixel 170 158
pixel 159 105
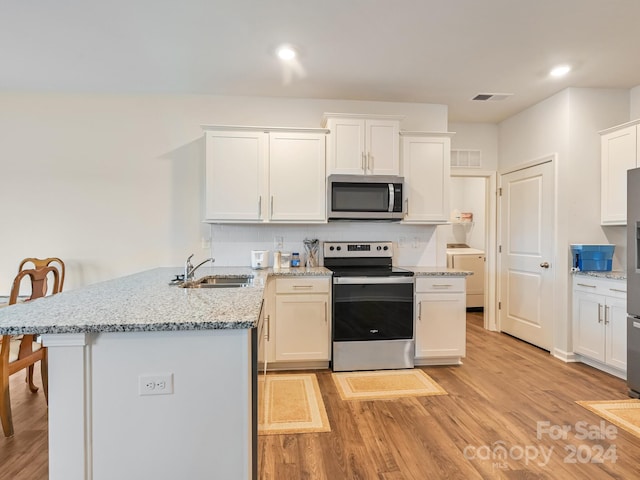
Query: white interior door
pixel 526 226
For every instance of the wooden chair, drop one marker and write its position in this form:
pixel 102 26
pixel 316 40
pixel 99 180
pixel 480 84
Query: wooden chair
pixel 45 262
pixel 39 263
pixel 20 352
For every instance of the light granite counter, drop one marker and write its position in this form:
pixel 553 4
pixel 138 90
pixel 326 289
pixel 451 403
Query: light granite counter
pixel 613 275
pixel 438 272
pixel 146 302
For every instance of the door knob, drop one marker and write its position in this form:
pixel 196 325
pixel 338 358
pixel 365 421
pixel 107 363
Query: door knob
pixel 544 264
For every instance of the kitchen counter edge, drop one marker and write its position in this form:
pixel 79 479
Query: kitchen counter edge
pixel 612 275
pixel 145 302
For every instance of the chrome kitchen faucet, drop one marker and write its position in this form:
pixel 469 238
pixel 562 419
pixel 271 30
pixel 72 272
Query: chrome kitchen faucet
pixel 190 270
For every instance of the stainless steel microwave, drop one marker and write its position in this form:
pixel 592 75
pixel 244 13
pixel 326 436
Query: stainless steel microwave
pixel 365 197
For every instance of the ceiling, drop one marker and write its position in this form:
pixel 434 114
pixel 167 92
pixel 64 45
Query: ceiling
pixel 425 51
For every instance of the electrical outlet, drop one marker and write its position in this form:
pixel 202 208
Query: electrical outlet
pixel 278 243
pixel 160 384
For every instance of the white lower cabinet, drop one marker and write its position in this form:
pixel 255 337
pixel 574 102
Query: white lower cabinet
pixel 298 323
pixel 600 323
pixel 440 325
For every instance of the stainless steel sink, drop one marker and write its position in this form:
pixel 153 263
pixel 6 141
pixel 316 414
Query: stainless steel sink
pixel 213 281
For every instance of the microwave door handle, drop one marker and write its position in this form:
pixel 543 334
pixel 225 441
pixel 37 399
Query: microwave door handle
pixel 392 197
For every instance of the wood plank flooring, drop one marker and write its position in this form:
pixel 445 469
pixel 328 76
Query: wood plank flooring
pixel 495 399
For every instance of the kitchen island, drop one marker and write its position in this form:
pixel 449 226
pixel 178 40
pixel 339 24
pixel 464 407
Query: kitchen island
pixel 114 345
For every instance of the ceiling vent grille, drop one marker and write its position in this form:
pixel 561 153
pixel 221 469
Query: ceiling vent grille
pixel 491 97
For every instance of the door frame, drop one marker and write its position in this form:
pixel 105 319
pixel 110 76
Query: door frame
pixel 553 159
pixel 490 242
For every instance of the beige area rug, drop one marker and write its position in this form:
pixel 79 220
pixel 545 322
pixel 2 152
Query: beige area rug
pixel 290 404
pixel 385 384
pixel 622 413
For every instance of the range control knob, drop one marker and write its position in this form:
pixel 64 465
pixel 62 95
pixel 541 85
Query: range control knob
pixel 385 248
pixel 331 248
pixel 338 248
pixel 378 248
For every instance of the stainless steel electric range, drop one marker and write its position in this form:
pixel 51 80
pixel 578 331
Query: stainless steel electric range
pixel 372 307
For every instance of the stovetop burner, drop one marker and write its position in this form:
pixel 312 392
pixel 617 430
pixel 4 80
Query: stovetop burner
pixel 370 272
pixel 361 259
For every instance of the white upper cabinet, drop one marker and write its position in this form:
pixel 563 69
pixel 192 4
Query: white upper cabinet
pixel 619 153
pixel 297 179
pixel 265 175
pixel 363 144
pixel 235 174
pixel 426 168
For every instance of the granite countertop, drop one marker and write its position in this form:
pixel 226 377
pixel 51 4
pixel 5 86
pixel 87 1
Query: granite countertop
pixel 613 275
pixel 438 272
pixel 145 302
pixel 140 302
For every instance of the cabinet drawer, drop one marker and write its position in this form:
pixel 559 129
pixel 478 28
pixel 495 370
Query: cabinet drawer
pixel 302 285
pixel 601 286
pixel 440 284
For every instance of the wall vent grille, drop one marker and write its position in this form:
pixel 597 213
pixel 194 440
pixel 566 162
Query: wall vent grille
pixel 466 158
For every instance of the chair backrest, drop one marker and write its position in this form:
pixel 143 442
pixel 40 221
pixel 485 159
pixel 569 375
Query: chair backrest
pixel 45 262
pixel 38 283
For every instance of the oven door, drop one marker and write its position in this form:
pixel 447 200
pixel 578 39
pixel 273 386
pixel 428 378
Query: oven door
pixel 372 308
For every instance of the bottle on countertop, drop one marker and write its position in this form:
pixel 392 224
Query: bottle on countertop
pixel 295 259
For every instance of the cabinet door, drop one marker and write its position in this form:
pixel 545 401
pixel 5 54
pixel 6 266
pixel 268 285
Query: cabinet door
pixel 616 332
pixel 302 327
pixel 427 173
pixel 346 146
pixel 440 325
pixel 297 180
pixel 588 324
pixel 382 149
pixel 234 175
pixel 618 155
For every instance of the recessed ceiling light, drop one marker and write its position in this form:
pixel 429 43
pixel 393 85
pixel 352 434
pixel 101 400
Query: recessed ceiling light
pixel 560 71
pixel 286 52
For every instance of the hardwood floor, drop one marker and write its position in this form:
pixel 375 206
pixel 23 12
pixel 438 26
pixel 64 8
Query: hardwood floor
pixel 25 455
pixel 497 398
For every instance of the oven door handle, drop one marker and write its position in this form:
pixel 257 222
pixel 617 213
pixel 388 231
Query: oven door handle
pixel 370 280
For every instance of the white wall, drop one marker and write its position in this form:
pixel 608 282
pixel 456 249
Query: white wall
pixel 477 136
pixel 113 184
pixel 635 103
pixel 566 124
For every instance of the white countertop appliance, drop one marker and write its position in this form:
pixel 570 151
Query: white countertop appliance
pixel 259 259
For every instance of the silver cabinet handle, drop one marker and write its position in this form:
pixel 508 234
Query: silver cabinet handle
pixel 326 312
pixel 363 163
pixel 370 161
pixel 302 287
pixel 442 285
pixel 544 264
pixel 606 314
pixel 268 334
pixel 271 207
pixel 599 313
pixel 407 208
pixel 585 285
pixel 420 311
pixel 618 290
pixel 260 206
